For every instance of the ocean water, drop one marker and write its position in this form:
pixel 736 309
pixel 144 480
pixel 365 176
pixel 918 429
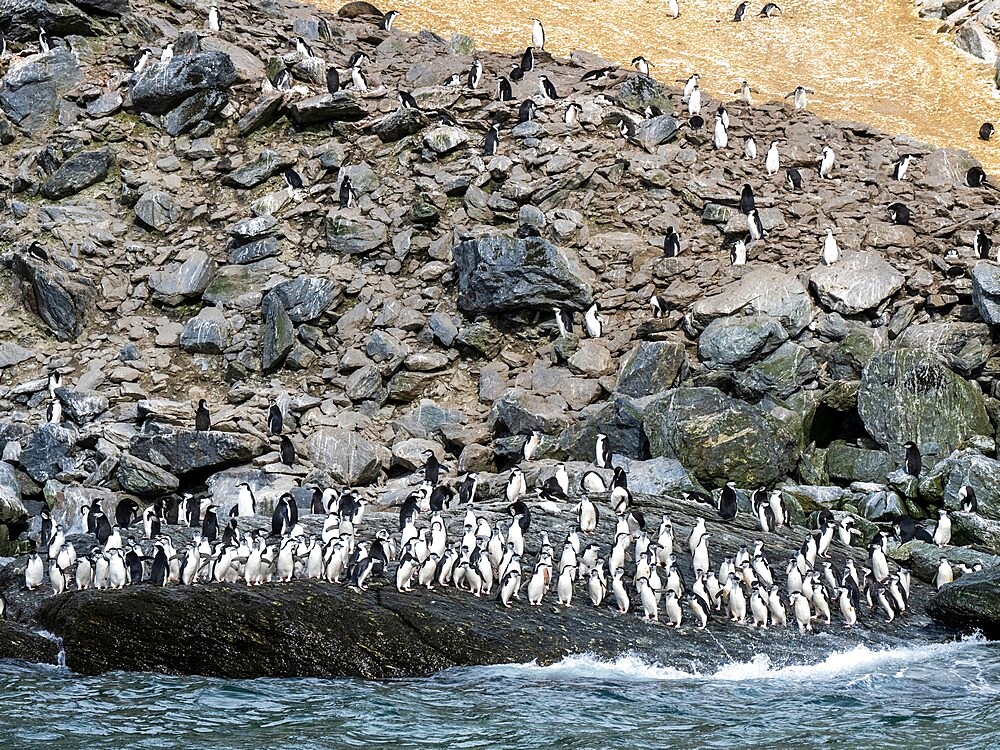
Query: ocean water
pixel 929 696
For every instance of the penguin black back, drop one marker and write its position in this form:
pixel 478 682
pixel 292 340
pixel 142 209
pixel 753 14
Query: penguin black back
pixel 202 418
pixel 275 421
pixel 287 451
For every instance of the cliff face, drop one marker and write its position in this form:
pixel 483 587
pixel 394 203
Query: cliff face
pixel 400 300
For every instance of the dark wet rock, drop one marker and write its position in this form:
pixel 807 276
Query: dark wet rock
pixel 908 394
pixel 307 297
pixel 31 89
pixel 720 439
pixel 63 301
pixel 42 458
pixel 346 456
pixel 986 290
pixel 651 367
pixel 970 603
pixel 20 642
pixel 733 341
pixel 497 273
pixel 160 89
pixel 279 333
pixel 78 173
pixel 267 164
pixel 143 478
pixel 82 407
pixel 341 107
pixel 855 283
pixel 185 450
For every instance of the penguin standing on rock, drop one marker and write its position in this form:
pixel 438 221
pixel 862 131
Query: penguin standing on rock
pixel 755 226
pixel 202 417
pixel 727 502
pixel 286 450
pixel 274 419
pixel 593 323
pixel 982 244
pixel 747 201
pixel 548 90
pixel 911 461
pixel 899 214
pixel 537 34
pixel 388 19
pixel 671 244
pixel 492 142
pixel 967 499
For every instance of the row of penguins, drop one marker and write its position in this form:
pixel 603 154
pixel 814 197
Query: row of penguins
pixel 635 569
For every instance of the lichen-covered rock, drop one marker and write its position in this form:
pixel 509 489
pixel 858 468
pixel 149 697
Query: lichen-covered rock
pixel 161 88
pixel 497 273
pixel 346 456
pixel 733 341
pixel 11 507
pixel 912 395
pixel 779 375
pixel 720 439
pixel 848 463
pixel 32 87
pixel 651 367
pixel 856 283
pixel 352 234
pixel 620 419
pixel 763 291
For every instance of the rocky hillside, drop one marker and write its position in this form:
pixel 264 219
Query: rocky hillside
pixel 974 27
pixel 401 300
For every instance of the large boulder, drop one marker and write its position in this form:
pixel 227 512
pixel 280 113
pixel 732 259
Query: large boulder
pixel 761 292
pixel 143 478
pixel 305 298
pixel 968 466
pixel 912 395
pixel 639 92
pixel 82 407
pixel 178 282
pixel 251 174
pixel 964 346
pixel 31 90
pixel 206 333
pixel 720 439
pixel 346 456
pixel 11 507
pixel 60 299
pixel 161 88
pixel 856 283
pixel 183 451
pixel 779 375
pixel 970 603
pixel 341 107
pixel 986 290
pixel 78 173
pixel 347 232
pixel 497 274
pixel 651 367
pixel 44 455
pixel 279 334
pixel 733 341
pixel 619 418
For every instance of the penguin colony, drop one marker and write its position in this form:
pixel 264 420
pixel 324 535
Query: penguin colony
pixel 634 570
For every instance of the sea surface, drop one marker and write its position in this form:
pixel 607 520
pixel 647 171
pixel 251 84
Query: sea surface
pixel 930 696
pixel 872 61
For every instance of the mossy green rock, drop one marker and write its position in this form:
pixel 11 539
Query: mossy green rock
pixel 852 464
pixel 970 603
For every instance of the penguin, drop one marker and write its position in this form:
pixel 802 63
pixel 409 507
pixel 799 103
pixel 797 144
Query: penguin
pixel 531 444
pixel 975 177
pixel 794 178
pixel 43 40
pixel 537 34
pixel 750 148
pixel 673 9
pixel 34 572
pixel 738 253
pixel 359 79
pixel 475 75
pixel 202 418
pixel 388 19
pixel 598 75
pixel 741 11
pixel 754 225
pixel 747 201
pixel 547 89
pixel 141 60
pixel 283 80
pixel 492 142
pixel 697 122
pixel 641 64
pixel 325 32
pixel 627 128
pixel 592 482
pixel 944 574
pixel 516 74
pixel 347 196
pixel 942 531
pixel 770 9
pixel 720 139
pixel 967 500
pixel 826 162
pixel 286 451
pixel 432 468
pixel 593 323
pixel 798 96
pixel 126 512
pixel 899 214
pixel 689 85
pixel 293 180
pixel 274 417
pixel 727 502
pixel 504 92
pixel 694 101
pixel 900 166
pixel 303 48
pixel 455 79
pixel 526 112
pixel 515 485
pixel 671 244
pixel 166 55
pixel 53 413
pixel 830 250
pixel 982 244
pixel 912 461
pixel 802 612
pixel 213 19
pixel 602 452
pixel 210 525
pixel 772 161
pixel 527 63
pixel 564 321
pixel 986 131
pixel 102 528
pixel 406 100
pixel 332 81
pixel 572 115
pixel 588 515
pixel 658 305
pixel 45 531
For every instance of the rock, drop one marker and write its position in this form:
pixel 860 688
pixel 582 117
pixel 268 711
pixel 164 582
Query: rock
pixel 848 463
pixel 761 292
pixel 307 297
pixel 346 456
pixel 22 643
pixel 964 346
pixel 944 167
pixel 78 173
pixel 341 107
pixel 908 394
pixel 347 233
pixel 923 558
pixel 82 407
pixel 365 384
pixel 970 603
pixel 854 351
pixel 656 131
pixel 521 412
pixel 206 333
pixel 183 451
pixel 197 109
pixel 279 333
pixel 986 290
pixel 651 367
pixel 410 455
pixel 43 456
pixel 31 90
pixel 968 466
pixel 592 359
pixel 639 92
pixel 262 114
pixel 443 328
pixel 856 283
pixel 178 282
pixel 251 252
pixel 720 439
pixel 445 138
pixel 497 274
pixel 159 89
pixel 975 40
pixel 657 477
pixel 779 375
pixel 12 510
pixel 143 478
pixel 399 124
pixel 409 386
pixel 13 354
pixel 267 164
pixel 249 68
pixel 359 10
pixel 733 341
pixel 882 505
pixel 620 419
pixel 62 301
pixel 157 210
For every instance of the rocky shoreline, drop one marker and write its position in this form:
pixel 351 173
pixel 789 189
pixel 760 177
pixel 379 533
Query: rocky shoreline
pixel 151 253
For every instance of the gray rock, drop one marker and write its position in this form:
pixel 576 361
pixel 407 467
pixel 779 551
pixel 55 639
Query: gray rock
pixel 11 507
pixel 986 290
pixel 206 333
pixel 720 439
pixel 521 412
pixel 180 281
pixel 279 333
pixel 43 456
pixel 854 351
pixel 196 109
pixel 443 328
pixel 262 114
pixel 908 394
pixel 157 210
pixel 639 92
pixel 733 341
pixel 341 107
pixel 105 105
pixel 652 367
pixel 970 603
pixel 970 467
pixel 251 252
pixel 591 359
pixel 249 68
pixel 619 418
pixel 78 173
pixel 346 456
pixel 778 375
pixel 964 346
pixel 849 463
pixel 365 384
pixel 352 234
pixel 267 164
pixel 945 167
pixel 656 131
pixel 12 354
pixel 445 139
pixel 82 407
pixel 143 478
pixel 307 297
pixel 399 124
pixel 31 90
pixel 856 283
pixel 160 89
pixel 62 301
pixel 497 273
pixel 975 40
pixel 407 386
pixel 882 505
pixel 183 451
pixel 761 292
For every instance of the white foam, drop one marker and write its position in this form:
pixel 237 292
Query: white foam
pixel 855 661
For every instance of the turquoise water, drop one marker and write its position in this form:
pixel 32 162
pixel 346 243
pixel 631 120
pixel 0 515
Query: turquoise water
pixel 937 696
